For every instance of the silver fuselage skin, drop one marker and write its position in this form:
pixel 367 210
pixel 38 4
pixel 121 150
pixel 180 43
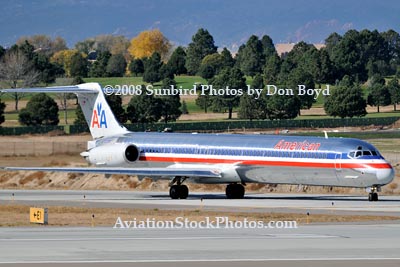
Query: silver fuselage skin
pixel 270 159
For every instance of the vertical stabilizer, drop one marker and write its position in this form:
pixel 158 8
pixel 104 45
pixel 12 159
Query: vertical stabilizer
pixel 97 112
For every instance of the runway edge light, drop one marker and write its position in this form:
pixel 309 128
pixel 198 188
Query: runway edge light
pixel 38 215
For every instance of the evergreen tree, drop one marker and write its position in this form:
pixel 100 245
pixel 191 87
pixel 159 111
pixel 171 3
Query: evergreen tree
pixel 40 110
pixel 152 69
pixel 258 82
pixel 211 65
pixel 116 66
pixel 99 67
pixel 2 107
pixel 166 72
pixel 300 77
pixel 203 100
pixel 144 109
pixel 234 79
pixel 202 45
pixel 115 103
pixel 378 93
pixel 177 61
pixel 272 68
pixel 227 58
pixel 136 67
pixel 170 104
pixel 207 71
pixel 47 71
pixel 394 90
pixel 252 59
pixel 331 42
pixel 80 118
pixel 250 107
pixel 2 51
pixel 184 108
pixel 268 47
pixel 79 66
pixel 392 40
pixel 282 107
pixel 346 100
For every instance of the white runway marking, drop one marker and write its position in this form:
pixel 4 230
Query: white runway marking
pixel 202 260
pixel 280 236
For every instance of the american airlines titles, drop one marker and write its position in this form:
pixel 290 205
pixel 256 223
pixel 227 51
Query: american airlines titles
pixel 305 145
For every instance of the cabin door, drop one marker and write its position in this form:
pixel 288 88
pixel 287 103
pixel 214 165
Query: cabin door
pixel 338 164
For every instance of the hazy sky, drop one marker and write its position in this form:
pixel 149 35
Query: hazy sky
pixel 231 22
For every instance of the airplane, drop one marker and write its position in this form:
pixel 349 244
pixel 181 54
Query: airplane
pixel 235 160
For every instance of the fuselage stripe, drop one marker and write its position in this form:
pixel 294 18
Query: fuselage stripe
pixel 337 164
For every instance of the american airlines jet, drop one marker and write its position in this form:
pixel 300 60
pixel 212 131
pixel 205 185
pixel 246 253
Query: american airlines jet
pixel 235 160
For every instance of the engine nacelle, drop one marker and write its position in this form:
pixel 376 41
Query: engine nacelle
pixel 112 155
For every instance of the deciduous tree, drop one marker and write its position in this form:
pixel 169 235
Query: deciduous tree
pixel 149 42
pixel 17 71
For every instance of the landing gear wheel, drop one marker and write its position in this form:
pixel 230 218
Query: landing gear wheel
pixel 373 197
pixel 179 192
pixel 174 192
pixel 184 192
pixel 234 191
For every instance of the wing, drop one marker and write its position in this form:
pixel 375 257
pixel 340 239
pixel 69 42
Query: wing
pixel 151 172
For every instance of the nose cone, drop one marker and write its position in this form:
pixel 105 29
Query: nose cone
pixel 385 176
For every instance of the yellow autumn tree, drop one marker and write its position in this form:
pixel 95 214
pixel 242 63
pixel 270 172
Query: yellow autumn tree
pixel 148 42
pixel 64 58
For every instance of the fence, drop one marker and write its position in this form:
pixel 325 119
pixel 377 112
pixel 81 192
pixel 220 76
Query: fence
pixel 214 126
pixel 36 148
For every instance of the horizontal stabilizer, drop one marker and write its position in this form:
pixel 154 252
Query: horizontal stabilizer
pixel 57 89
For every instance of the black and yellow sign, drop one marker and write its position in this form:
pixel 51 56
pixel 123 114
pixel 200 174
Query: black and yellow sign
pixel 38 215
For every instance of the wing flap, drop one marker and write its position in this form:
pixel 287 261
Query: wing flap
pixel 156 172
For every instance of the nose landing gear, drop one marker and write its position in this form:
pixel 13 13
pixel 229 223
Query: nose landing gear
pixel 373 193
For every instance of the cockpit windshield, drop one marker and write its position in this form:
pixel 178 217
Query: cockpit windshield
pixel 362 152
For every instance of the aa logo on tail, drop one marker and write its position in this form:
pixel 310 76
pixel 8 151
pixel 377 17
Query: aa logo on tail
pixel 99 119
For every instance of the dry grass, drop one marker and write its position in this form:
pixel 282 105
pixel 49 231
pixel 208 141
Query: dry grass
pixel 31 177
pixel 18 215
pixel 55 163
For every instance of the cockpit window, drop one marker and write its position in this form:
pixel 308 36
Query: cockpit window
pixel 366 153
pixel 359 153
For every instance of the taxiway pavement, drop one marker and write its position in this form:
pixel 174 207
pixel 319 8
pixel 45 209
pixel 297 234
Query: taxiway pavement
pixel 285 203
pixel 310 245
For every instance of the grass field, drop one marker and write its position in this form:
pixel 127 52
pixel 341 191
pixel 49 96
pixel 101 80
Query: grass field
pixel 18 215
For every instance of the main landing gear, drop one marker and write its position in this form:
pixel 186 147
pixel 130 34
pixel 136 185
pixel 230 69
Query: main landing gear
pixel 373 193
pixel 178 190
pixel 234 191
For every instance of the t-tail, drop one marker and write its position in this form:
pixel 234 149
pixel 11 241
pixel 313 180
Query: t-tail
pixel 97 112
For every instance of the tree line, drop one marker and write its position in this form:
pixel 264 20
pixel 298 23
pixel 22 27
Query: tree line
pixel 347 61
